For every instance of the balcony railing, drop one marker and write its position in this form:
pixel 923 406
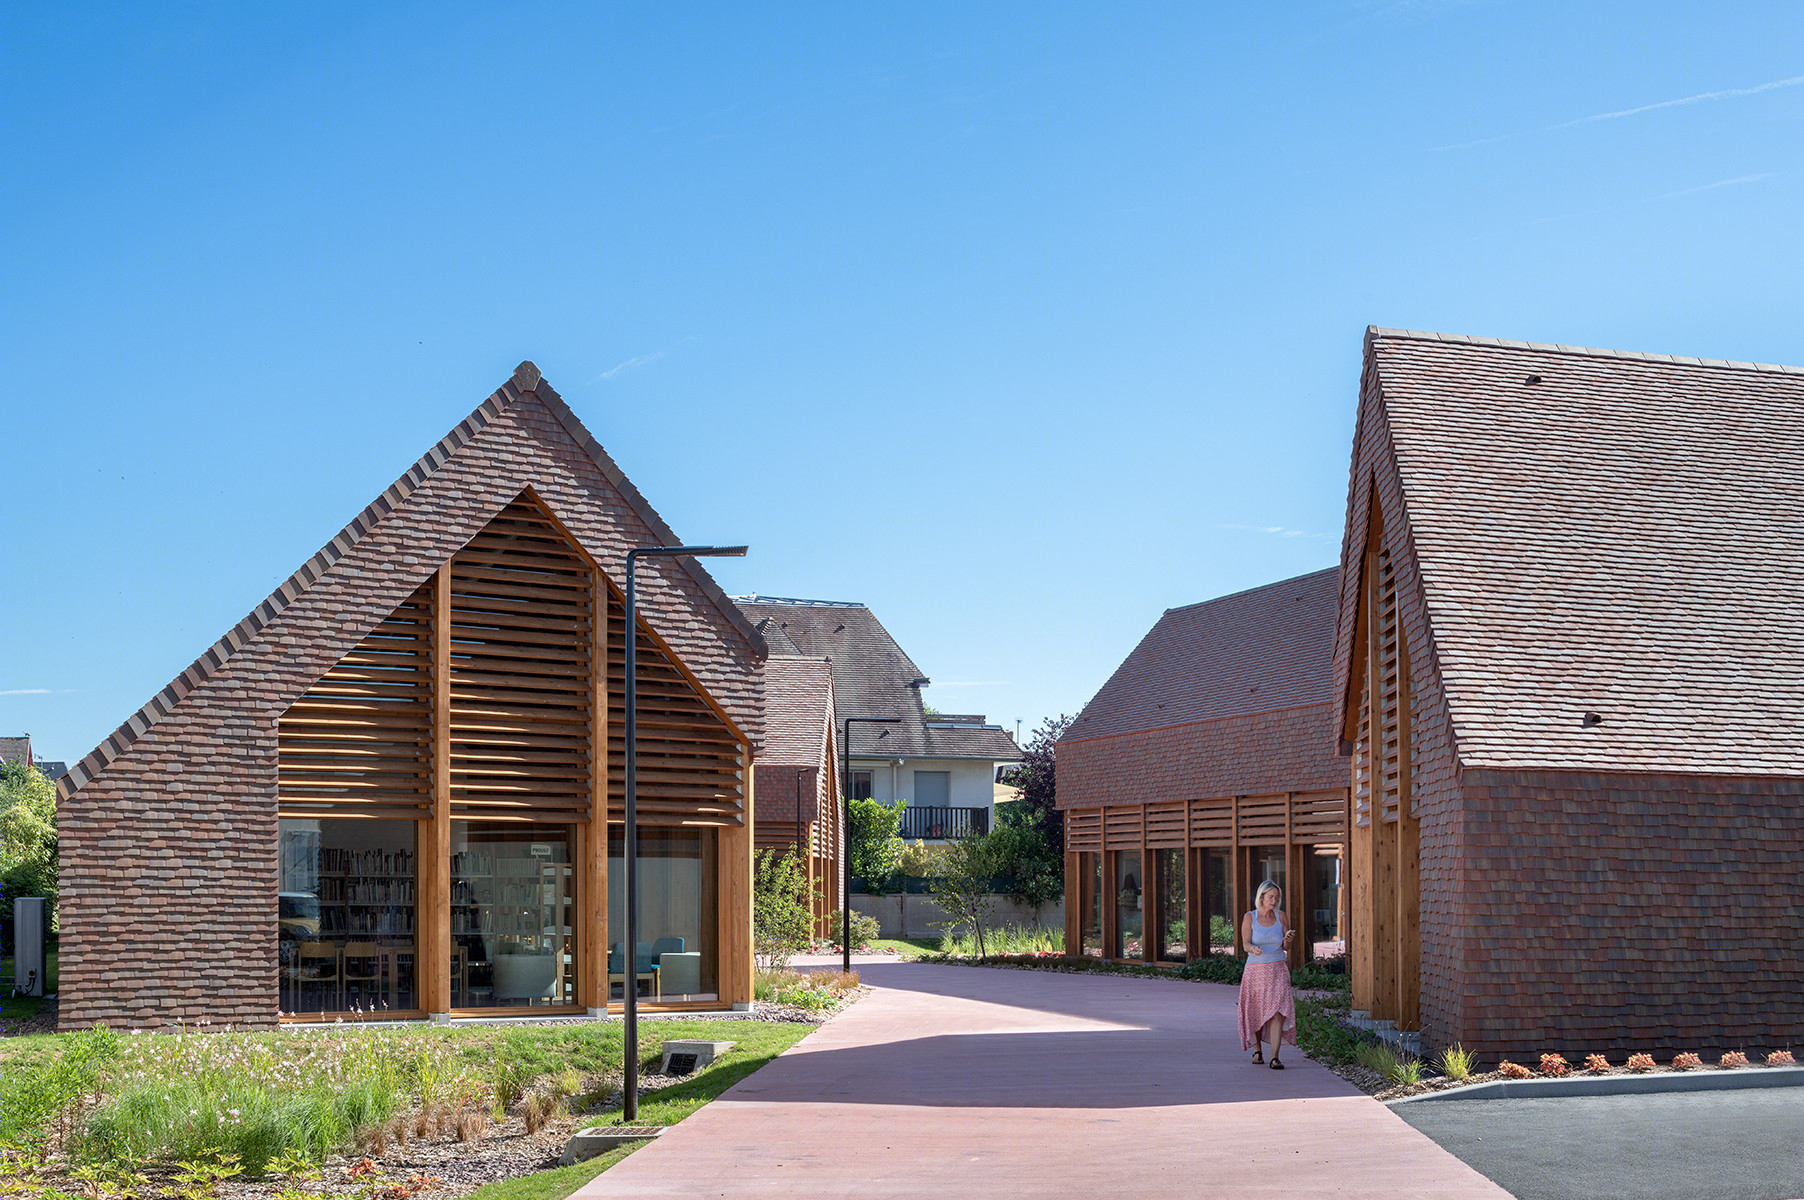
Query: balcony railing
pixel 934 822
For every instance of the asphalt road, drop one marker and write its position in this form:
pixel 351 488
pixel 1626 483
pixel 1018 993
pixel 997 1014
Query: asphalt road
pixel 1732 1145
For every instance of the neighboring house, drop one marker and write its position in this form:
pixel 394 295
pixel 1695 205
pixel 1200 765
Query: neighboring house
pixel 16 749
pixel 943 765
pixel 798 807
pixel 1570 673
pixel 1205 766
pixel 397 783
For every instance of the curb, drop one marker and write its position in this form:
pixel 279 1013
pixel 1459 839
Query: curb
pixel 1617 1085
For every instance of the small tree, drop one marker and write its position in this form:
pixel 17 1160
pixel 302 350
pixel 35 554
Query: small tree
pixel 1024 857
pixel 1037 780
pixel 875 842
pixel 964 885
pixel 28 862
pixel 782 908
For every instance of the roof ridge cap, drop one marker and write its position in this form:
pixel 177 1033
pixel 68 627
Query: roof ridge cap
pixel 1377 332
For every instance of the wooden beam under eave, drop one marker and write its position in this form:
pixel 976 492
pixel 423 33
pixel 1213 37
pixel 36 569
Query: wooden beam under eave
pixel 434 961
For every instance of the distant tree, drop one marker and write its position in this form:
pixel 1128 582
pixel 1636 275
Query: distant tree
pixel 875 842
pixel 27 837
pixel 964 885
pixel 1036 779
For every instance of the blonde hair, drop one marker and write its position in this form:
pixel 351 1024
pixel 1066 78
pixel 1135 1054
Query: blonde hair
pixel 1268 886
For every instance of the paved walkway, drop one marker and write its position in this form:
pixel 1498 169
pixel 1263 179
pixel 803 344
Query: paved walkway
pixel 958 1081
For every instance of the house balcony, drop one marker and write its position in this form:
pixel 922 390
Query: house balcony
pixel 937 822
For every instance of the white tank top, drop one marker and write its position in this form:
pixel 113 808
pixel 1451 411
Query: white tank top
pixel 1269 939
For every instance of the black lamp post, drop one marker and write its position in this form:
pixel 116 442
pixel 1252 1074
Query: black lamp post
pixel 631 983
pixel 845 849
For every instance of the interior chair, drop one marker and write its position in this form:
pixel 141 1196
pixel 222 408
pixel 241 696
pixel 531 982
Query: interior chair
pixel 361 971
pixel 663 946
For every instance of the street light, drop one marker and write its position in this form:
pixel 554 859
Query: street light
pixel 631 983
pixel 845 841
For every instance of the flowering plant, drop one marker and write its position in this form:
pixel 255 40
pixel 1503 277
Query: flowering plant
pixel 1779 1058
pixel 1641 1062
pixel 1597 1064
pixel 1686 1061
pixel 1733 1058
pixel 1555 1065
pixel 1510 1070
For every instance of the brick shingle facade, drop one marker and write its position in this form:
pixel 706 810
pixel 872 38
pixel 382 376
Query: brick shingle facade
pixel 169 832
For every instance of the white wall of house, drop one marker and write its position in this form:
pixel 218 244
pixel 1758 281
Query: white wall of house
pixel 970 784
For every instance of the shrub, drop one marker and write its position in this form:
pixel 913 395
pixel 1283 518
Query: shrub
pixel 1221 932
pixel 1456 1062
pixel 1314 977
pixel 1510 1070
pixel 875 842
pixel 1733 1058
pixel 920 860
pixel 1641 1062
pixel 1213 968
pixel 1686 1061
pixel 865 930
pixel 1597 1064
pixel 1555 1065
pixel 1320 1033
pixel 782 917
pixel 1779 1058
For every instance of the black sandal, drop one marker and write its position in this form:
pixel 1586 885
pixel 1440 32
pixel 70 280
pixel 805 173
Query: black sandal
pixel 1276 1065
pixel 1258 1058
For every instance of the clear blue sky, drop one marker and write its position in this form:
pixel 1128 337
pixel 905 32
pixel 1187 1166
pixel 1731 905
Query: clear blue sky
pixel 1020 323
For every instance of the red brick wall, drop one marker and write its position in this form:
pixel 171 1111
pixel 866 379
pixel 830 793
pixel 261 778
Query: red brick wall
pixel 1613 913
pixel 168 905
pixel 1292 750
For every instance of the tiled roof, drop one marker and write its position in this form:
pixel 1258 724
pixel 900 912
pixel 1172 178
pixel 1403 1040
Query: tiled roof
pixel 526 380
pixel 15 749
pixel 874 677
pixel 1609 533
pixel 1256 651
pixel 798 712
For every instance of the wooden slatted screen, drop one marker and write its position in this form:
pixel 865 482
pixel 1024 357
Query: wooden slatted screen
pixel 1262 820
pixel 358 742
pixel 1165 826
pixel 1083 830
pixel 520 606
pixel 1212 822
pixel 1362 758
pixel 690 768
pixel 1121 826
pixel 1385 626
pixel 1318 816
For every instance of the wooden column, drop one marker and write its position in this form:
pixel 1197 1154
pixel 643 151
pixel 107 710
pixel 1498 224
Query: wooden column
pixel 1149 899
pixel 592 884
pixel 735 859
pixel 432 964
pixel 1105 903
pixel 1409 933
pixel 1364 839
pixel 1075 882
pixel 1196 908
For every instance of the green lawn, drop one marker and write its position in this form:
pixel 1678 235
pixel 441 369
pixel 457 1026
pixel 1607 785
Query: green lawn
pixel 905 945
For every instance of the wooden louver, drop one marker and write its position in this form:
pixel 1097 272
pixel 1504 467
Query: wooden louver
pixel 358 742
pixel 519 605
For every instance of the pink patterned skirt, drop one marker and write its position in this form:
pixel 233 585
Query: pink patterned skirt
pixel 1264 994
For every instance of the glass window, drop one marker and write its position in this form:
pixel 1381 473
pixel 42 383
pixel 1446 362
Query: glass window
pixel 345 916
pixel 1325 899
pixel 1169 923
pixel 1129 897
pixel 933 789
pixel 1215 903
pixel 1089 902
pixel 679 914
pixel 861 785
pixel 513 915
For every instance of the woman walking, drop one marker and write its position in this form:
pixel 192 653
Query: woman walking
pixel 1268 1012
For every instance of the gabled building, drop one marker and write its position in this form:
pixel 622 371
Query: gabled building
pixel 1203 767
pixel 397 784
pixel 943 765
pixel 1570 674
pixel 797 778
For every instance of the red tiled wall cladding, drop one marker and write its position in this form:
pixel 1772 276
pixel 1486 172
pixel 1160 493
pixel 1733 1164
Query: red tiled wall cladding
pixel 777 788
pixel 169 856
pixel 1292 750
pixel 1687 899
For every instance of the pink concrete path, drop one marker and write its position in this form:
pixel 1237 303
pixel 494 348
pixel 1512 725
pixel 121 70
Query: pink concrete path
pixel 958 1081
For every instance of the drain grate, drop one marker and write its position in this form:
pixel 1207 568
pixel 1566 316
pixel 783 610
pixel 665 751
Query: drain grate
pixel 681 1064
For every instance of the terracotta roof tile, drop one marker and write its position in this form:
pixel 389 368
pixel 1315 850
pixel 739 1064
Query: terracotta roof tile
pixel 1621 536
pixel 798 712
